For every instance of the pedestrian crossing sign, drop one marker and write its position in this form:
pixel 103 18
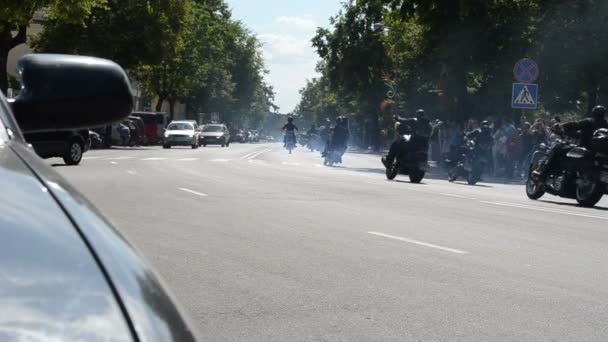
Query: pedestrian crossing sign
pixel 525 96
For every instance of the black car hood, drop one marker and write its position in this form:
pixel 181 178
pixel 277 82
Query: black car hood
pixel 151 309
pixel 51 287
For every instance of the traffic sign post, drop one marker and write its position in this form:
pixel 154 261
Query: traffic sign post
pixel 526 71
pixel 524 96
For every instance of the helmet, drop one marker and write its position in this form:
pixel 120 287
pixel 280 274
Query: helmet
pixel 420 113
pixel 485 124
pixel 598 112
pixel 289 119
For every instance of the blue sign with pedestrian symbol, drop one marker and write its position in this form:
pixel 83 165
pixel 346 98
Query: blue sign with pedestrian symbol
pixel 525 96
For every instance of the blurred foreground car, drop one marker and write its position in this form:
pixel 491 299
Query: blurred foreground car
pixel 65 273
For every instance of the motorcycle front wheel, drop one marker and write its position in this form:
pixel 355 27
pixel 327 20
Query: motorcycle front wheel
pixel 393 171
pixel 534 189
pixel 588 190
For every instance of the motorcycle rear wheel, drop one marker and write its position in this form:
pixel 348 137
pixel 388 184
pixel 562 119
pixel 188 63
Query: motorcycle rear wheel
pixel 474 175
pixel 588 191
pixel 416 176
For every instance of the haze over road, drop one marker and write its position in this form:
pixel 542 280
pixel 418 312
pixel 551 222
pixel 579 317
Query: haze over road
pixel 259 245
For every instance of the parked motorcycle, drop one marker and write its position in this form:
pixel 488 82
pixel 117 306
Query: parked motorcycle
pixel 582 175
pixel 471 163
pixel 413 163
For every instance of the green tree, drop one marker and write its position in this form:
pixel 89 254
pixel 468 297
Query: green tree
pixel 17 15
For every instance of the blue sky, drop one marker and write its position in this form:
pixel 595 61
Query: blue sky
pixel 285 27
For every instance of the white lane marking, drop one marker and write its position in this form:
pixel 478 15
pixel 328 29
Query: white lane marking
pixel 420 243
pixel 220 160
pixel 318 165
pixel 247 155
pixel 120 158
pixel 154 158
pixel 457 196
pixel 187 159
pixel 193 192
pixel 550 210
pixel 132 172
pixel 257 154
pixel 89 158
pixel 113 163
pixel 290 164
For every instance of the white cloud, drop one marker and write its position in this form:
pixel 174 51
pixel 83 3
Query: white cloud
pixel 302 22
pixel 278 46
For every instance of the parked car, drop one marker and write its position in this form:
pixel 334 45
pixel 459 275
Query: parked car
pixel 69 145
pixel 155 124
pixel 215 134
pixel 141 129
pixel 63 265
pixel 96 140
pixel 134 139
pixel 181 133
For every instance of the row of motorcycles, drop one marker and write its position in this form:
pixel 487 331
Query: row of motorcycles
pixel 314 142
pixel 581 174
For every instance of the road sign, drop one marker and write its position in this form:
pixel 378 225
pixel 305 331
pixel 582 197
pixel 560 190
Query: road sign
pixel 526 71
pixel 525 96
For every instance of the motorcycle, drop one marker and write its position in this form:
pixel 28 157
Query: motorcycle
pixel 333 156
pixel 583 175
pixel 471 163
pixel 290 141
pixel 411 163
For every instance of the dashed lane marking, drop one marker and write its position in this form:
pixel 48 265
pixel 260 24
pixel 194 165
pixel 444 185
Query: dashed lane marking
pixel 193 192
pixel 420 243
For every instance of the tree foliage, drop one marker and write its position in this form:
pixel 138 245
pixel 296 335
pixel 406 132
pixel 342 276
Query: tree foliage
pixel 455 58
pixel 188 51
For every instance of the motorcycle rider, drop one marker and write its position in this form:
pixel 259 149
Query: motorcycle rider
pixel 290 131
pixel 340 135
pixel 586 127
pixel 420 128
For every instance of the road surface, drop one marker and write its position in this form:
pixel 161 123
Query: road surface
pixel 259 245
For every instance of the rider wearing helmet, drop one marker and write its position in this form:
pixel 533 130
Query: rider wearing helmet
pixel 582 129
pixel 420 128
pixel 290 131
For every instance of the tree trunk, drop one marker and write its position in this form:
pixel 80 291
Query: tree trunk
pixel 592 94
pixel 7 43
pixel 159 104
pixel 171 109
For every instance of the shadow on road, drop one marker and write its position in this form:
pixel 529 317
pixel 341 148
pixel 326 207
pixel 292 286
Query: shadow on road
pixel 574 204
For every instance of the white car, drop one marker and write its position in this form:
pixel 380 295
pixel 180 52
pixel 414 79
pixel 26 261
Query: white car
pixel 181 133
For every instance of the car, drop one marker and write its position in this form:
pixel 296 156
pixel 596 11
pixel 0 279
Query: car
pixel 237 137
pixel 181 133
pixel 67 274
pixel 155 124
pixel 141 129
pixel 134 139
pixel 67 144
pixel 215 134
pixel 96 140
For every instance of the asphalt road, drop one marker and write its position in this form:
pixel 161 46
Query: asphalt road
pixel 259 245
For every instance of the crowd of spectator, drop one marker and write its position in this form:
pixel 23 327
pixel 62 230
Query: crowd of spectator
pixel 514 143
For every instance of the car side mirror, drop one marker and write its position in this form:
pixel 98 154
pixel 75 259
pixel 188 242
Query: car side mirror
pixel 70 92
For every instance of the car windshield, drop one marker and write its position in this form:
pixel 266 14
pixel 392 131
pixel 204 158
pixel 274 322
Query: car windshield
pixel 180 126
pixel 212 128
pixel 364 170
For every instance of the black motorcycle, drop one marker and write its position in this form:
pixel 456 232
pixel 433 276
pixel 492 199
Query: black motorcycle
pixel 471 163
pixel 412 162
pixel 582 175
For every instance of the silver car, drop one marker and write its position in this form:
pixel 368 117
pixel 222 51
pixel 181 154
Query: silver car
pixel 215 134
pixel 181 133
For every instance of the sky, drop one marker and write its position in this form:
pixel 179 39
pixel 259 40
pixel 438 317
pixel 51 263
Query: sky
pixel 285 28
